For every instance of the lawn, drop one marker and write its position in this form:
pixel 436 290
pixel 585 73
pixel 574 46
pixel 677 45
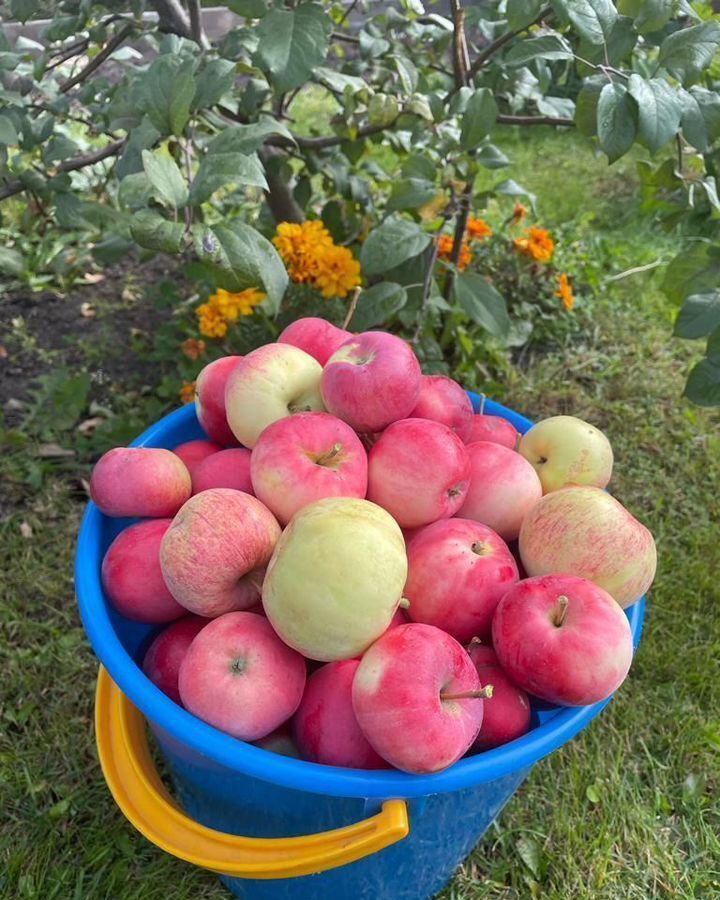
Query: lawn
pixel 626 811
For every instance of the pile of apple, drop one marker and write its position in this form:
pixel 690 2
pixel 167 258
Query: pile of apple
pixel 352 518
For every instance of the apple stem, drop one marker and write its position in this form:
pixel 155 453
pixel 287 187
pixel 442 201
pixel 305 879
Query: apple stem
pixel 483 694
pixel 560 610
pixel 256 581
pixel 475 641
pixel 479 547
pixel 329 456
pixel 404 603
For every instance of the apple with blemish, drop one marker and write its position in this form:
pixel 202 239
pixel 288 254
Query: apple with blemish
pixel 419 471
pixel 210 400
pixel 564 450
pixel 213 554
pixel 304 458
pixel 458 570
pixel 270 383
pixel 494 429
pixel 504 487
pixel 371 380
pixel 143 482
pixel 563 639
pixel 418 699
pixel 164 656
pixel 443 400
pixel 192 453
pixel 225 469
pixel 583 531
pixel 506 715
pixel 132 578
pixel 318 337
pixel 238 676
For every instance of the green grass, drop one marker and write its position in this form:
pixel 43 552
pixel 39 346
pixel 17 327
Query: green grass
pixel 626 811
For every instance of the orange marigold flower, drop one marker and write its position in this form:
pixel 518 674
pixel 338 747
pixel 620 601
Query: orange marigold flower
pixel 519 213
pixel 300 247
pixel 478 229
pixel 211 322
pixel 338 272
pixel 193 348
pixel 537 243
pixel 564 292
pixel 446 245
pixel 232 305
pixel 187 392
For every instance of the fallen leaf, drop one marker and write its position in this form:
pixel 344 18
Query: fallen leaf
pixel 93 277
pixel 87 310
pixel 25 530
pixel 53 451
pixel 15 405
pixel 89 425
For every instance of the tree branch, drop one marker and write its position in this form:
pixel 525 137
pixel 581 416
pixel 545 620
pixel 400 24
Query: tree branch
pixel 98 60
pixel 196 26
pixel 283 205
pixel 172 17
pixel 500 42
pixel 535 120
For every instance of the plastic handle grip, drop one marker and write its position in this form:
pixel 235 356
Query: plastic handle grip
pixel 137 789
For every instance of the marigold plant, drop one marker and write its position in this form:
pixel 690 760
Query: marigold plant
pixel 312 257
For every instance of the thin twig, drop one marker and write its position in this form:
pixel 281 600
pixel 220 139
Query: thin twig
pixel 353 306
pixel 535 120
pixel 347 38
pixel 98 60
pixel 427 282
pixel 348 12
pixel 188 154
pixel 605 69
pixel 678 141
pixel 635 271
pixel 196 26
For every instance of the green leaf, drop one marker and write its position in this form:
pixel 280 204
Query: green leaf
pixel 150 230
pixel 521 13
pixel 224 170
pixel 169 186
pixel 411 193
pixel 699 315
pixel 616 120
pixel 709 104
pixel 377 304
pixel 586 105
pixel 620 40
pixel 246 259
pixel 215 80
pixel 8 134
pixel 251 9
pixel 491 157
pixel 703 384
pixel 22 10
pixel 407 72
pixel 291 43
pixel 58 148
pixel 591 19
pixel 546 46
pixel 592 793
pixel 372 46
pixel 478 119
pixel 712 350
pixel 247 138
pixel 485 306
pixel 142 137
pixel 696 270
pixel 688 52
pixel 529 853
pixel 11 261
pixel 340 81
pixel 390 244
pixel 135 191
pixel 383 109
pixel 511 188
pixel 652 15
pixel 692 120
pixel 658 111
pixel 167 92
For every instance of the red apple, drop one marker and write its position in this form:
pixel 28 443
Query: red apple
pixel 458 570
pixel 304 458
pixel 506 715
pixel 325 727
pixel 317 337
pixel 494 429
pixel 504 487
pixel 419 472
pixel 240 677
pixel 417 698
pixel 143 482
pixel 443 400
pixel 214 553
pixel 164 656
pixel 373 379
pixel 210 400
pixel 132 578
pixel 192 453
pixel 563 639
pixel 225 469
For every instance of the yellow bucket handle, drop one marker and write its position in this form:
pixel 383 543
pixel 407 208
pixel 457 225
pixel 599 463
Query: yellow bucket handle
pixel 138 791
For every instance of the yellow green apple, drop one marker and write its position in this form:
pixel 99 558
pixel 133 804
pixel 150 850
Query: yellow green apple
pixel 565 450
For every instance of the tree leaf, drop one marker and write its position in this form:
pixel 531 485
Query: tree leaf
pixel 529 853
pixel 247 139
pixel 8 134
pixel 411 193
pixel 591 19
pixel 692 121
pixel 511 188
pixel 251 9
pixel 150 230
pixel 377 304
pixel 291 43
pixel 709 104
pixel 703 384
pixel 167 92
pixel 390 244
pixel 215 80
pixel 491 157
pixel 696 270
pixel 616 120
pixel 478 119
pixel 699 315
pixel 688 52
pixel 407 72
pixel 169 186
pixel 22 10
pixel 658 111
pixel 586 105
pixel 521 13
pixel 546 46
pixel 712 350
pixel 11 261
pixel 485 306
pixel 224 170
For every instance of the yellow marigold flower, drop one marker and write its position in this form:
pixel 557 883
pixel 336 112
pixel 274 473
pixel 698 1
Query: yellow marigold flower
pixel 187 392
pixel 300 247
pixel 446 245
pixel 478 229
pixel 519 213
pixel 564 292
pixel 537 243
pixel 193 348
pixel 211 322
pixel 338 272
pixel 232 305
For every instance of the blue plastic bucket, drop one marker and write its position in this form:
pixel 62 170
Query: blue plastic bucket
pixel 236 788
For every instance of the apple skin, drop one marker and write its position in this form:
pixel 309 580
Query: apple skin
pixel 583 531
pixel 192 453
pixel 225 469
pixel 396 698
pixel 564 450
pixel 443 400
pixel 581 661
pixel 238 676
pixel 506 715
pixel 373 379
pixel 325 727
pixel 213 553
pixel 504 487
pixel 132 578
pixel 280 741
pixel 318 337
pixel 458 570
pixel 306 457
pixel 419 471
pixel 162 661
pixel 336 578
pixel 143 482
pixel 268 384
pixel 494 429
pixel 210 400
